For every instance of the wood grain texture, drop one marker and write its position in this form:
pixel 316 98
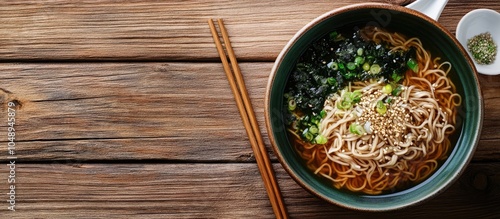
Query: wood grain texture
pixel 172 111
pixel 212 191
pixel 160 110
pixel 125 112
pixel 164 30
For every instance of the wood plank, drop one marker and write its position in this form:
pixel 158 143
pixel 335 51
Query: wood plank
pixel 164 30
pixel 211 191
pixel 160 110
pixel 174 111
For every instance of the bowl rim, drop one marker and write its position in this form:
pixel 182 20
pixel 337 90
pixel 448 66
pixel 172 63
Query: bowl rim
pixel 340 10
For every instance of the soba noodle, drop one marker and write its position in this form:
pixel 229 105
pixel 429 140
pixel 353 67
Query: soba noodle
pixel 399 148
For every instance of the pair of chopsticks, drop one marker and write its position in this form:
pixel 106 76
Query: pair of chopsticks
pixel 248 116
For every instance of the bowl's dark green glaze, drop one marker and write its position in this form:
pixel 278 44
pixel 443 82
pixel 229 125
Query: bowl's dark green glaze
pixel 434 38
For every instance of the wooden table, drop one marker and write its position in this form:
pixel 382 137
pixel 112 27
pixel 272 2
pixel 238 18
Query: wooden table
pixel 123 111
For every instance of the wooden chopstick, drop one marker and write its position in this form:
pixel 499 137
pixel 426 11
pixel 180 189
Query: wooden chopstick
pixel 251 115
pixel 247 114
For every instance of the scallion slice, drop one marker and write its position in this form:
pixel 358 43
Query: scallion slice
pixel 356 129
pixel 387 89
pixel 292 105
pixel 359 51
pixel 375 69
pixel 381 108
pixel 313 129
pixel 412 64
pixel 359 60
pixel 397 91
pixel 320 139
pixel 331 81
pixel 366 66
pixel 351 66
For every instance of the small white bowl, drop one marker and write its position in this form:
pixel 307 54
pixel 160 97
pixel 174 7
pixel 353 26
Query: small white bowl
pixel 476 22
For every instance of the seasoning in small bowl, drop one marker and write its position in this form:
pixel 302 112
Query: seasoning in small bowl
pixel 479 33
pixel 483 48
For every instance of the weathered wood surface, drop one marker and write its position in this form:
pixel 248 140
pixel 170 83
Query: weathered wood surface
pixel 125 112
pixel 172 111
pixel 232 190
pixel 164 30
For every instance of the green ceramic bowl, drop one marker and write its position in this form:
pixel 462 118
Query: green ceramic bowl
pixel 436 39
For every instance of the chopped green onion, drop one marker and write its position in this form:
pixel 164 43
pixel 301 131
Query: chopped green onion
pixel 348 99
pixel 397 91
pixel 396 77
pixel 387 89
pixel 304 121
pixel 292 105
pixel 350 75
pixel 388 100
pixel 322 114
pixel 351 66
pixel 359 51
pixel 375 69
pixel 333 65
pixel 355 96
pixel 343 105
pixel 307 135
pixel 356 129
pixel 331 81
pixel 315 120
pixel 381 108
pixel 320 139
pixel 313 129
pixel 359 60
pixel 341 66
pixel 412 64
pixel 366 66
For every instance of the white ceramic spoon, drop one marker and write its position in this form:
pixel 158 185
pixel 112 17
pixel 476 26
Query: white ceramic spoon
pixel 431 8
